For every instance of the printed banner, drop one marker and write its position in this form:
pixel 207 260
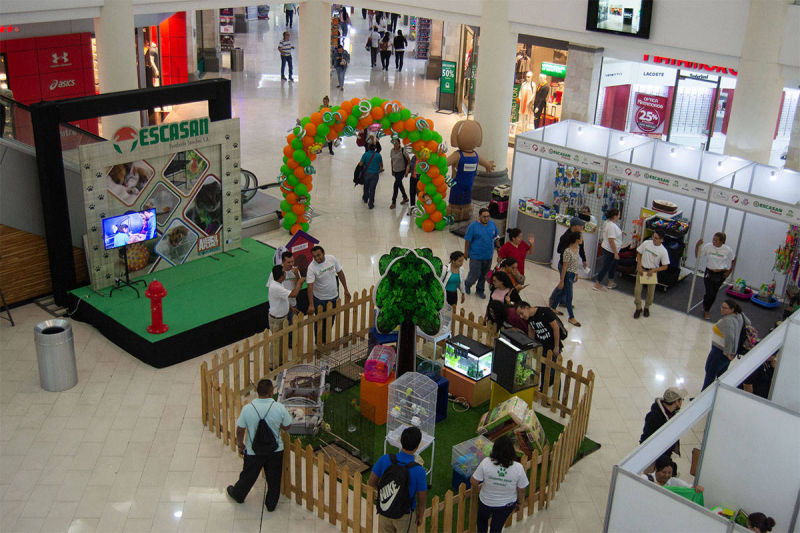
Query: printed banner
pixel 758 205
pixel 554 152
pixel 188 172
pixel 650 114
pixel 447 83
pixel 660 180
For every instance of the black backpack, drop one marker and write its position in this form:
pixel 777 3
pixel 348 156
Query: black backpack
pixel 393 498
pixel 264 441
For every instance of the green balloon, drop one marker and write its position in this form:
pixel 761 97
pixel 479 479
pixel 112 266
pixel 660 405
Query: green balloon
pixel 286 170
pixel 427 135
pixel 403 134
pixel 291 218
pixel 413 136
pixel 292 180
pixel 437 137
pixel 418 221
pixel 424 178
pixel 352 120
pixel 304 226
pixel 430 189
pixel 285 159
pixel 394 116
pixel 323 129
pixel 440 225
pixel 297 144
pixel 433 160
pixel 405 114
pixel 376 101
pixel 442 206
pixel 385 123
pixel 298 156
pixel 436 197
pixel 286 224
pixel 304 121
pixel 336 108
pixel 301 189
pixel 286 206
pixel 319 138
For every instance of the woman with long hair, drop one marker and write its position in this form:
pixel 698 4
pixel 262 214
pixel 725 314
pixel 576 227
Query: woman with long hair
pixel 724 340
pixel 503 295
pixel 453 278
pixel 569 275
pixel 501 481
pixel 517 248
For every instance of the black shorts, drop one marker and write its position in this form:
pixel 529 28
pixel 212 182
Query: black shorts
pixel 452 297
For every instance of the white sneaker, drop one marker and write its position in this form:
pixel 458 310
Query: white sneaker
pixel 598 287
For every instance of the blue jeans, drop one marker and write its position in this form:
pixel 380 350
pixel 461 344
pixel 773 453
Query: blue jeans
pixel 498 516
pixel 340 70
pixel 565 294
pixel 716 365
pixel 286 60
pixel 478 269
pixel 370 184
pixel 609 267
pixel 319 338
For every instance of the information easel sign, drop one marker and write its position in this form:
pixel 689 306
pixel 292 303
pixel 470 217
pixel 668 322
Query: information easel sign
pixel 660 180
pixel 188 172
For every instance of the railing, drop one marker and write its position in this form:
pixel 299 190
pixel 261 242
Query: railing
pixel 342 497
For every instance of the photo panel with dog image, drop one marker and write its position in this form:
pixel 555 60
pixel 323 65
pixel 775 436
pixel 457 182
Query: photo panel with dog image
pixel 185 169
pixel 177 242
pixel 164 200
pixel 204 210
pixel 126 181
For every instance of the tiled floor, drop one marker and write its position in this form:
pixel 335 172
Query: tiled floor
pixel 125 451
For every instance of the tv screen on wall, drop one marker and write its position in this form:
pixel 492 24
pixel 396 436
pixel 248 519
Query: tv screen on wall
pixel 621 17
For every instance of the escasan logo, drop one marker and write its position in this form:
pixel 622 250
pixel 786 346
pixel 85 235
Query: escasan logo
pixel 123 138
pixel 60 84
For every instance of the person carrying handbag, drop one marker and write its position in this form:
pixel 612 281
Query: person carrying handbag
pixel 372 165
pixel 384 46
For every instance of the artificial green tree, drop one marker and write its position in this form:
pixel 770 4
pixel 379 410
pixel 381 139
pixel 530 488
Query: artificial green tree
pixel 409 294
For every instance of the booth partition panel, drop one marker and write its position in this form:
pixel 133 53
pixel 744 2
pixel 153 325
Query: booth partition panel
pixel 785 391
pixel 750 457
pixel 526 182
pixel 639 505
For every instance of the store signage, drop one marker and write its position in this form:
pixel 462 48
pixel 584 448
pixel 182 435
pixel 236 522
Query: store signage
pixel 554 69
pixel 447 82
pixel 175 131
pixel 61 84
pixel 757 205
pixel 660 180
pixel 681 63
pixel 515 103
pixel 650 114
pixel 558 153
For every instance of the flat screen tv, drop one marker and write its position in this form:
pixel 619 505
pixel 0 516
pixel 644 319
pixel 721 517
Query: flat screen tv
pixel 621 17
pixel 134 226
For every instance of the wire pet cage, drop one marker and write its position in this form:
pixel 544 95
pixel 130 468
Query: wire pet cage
pixel 412 402
pixel 300 391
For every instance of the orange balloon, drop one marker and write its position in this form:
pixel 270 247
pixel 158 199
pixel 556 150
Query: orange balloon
pixel 411 124
pixel 377 113
pixel 290 138
pixel 437 182
pixel 292 163
pixel 325 110
pixel 433 146
pixel 399 126
pixel 433 172
pixel 300 173
pixel 340 126
pixel 436 216
pixel 307 141
pixel 296 227
pixel 332 135
pixel 312 156
pixel 347 106
pixel 430 124
pixel 301 218
pixel 430 208
pixel 406 141
pixel 418 146
pixel 427 225
pixel 398 104
pixel 288 151
pixel 364 122
pixel 283 214
pixel 291 198
pixel 421 191
pixel 355 101
pixel 442 189
pixel 316 117
pixel 388 131
pixel 299 209
pixel 311 129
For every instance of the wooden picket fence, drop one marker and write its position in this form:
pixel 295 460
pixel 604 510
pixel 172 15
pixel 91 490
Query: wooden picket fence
pixel 331 491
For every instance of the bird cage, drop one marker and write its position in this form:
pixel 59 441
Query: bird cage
pixel 412 402
pixel 300 390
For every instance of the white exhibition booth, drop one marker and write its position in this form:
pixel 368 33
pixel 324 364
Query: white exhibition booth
pixel 753 204
pixel 749 455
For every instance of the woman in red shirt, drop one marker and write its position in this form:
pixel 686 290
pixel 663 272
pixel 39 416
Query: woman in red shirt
pixel 516 248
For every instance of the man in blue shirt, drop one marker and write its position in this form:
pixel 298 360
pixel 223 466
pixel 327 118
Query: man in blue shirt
pixel 372 165
pixel 277 418
pixel 417 485
pixel 479 248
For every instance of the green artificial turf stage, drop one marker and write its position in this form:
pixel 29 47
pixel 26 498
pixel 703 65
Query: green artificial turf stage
pixel 456 428
pixel 198 292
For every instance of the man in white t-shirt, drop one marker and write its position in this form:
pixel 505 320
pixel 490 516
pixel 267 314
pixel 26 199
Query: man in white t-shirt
pixel 651 258
pixel 373 39
pixel 720 261
pixel 280 296
pixel 322 276
pixel 612 240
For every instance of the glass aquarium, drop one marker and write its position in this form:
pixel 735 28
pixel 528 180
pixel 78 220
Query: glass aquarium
pixel 468 357
pixel 516 363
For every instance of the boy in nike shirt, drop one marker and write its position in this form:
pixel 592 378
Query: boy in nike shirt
pixel 417 486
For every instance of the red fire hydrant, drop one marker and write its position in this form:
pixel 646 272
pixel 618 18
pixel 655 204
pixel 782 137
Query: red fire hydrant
pixel 156 292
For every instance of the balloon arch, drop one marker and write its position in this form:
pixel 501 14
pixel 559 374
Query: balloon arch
pixel 308 139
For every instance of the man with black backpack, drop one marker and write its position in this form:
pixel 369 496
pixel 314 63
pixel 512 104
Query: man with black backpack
pixel 262 419
pixel 401 485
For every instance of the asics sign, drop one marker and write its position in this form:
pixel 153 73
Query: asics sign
pixel 61 84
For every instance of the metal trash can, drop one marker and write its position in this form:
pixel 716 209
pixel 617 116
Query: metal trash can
pixel 237 60
pixel 55 352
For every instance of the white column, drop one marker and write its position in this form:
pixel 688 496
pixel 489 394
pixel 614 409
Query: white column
pixel 314 57
pixel 494 81
pixel 116 58
pixel 759 84
pixel 793 155
pixel 582 83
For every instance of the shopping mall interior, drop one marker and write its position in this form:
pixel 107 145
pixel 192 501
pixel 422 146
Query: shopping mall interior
pixel 130 447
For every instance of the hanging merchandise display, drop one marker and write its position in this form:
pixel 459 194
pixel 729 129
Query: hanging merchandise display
pixel 423 37
pixel 226 33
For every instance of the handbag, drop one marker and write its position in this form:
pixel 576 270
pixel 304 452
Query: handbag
pixel 358 173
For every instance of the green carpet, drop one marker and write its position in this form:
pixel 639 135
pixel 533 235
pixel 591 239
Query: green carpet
pixel 198 292
pixel 457 427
